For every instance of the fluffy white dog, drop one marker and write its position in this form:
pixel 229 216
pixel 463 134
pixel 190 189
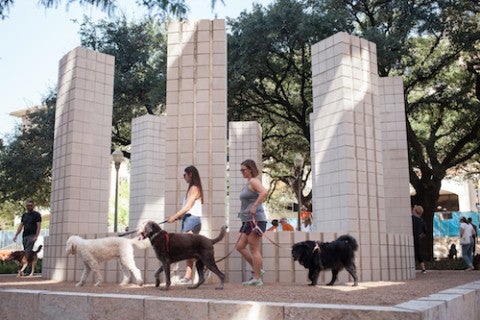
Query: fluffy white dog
pixel 95 251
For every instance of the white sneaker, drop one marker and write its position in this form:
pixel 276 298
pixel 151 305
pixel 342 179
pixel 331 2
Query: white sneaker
pixel 185 281
pixel 253 282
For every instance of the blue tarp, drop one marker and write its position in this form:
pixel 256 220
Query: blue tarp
pixel 447 224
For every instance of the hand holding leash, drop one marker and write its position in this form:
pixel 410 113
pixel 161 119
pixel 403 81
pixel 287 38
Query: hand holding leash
pixel 170 219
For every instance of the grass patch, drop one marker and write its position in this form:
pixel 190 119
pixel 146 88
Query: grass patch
pixel 12 267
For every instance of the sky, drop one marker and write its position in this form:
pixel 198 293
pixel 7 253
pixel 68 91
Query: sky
pixel 33 40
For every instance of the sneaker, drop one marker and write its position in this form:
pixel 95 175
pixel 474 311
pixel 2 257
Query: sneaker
pixel 185 281
pixel 253 282
pixel 469 269
pixel 424 271
pixel 262 272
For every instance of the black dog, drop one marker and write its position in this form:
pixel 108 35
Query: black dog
pixel 25 259
pixel 452 253
pixel 174 247
pixel 336 255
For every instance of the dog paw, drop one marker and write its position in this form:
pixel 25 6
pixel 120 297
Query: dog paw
pixel 140 283
pixel 79 284
pixel 98 284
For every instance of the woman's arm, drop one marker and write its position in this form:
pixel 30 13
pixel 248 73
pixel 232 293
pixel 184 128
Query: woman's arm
pixel 257 186
pixel 192 195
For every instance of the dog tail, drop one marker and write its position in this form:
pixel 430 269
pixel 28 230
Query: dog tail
pixel 39 248
pixel 349 240
pixel 223 230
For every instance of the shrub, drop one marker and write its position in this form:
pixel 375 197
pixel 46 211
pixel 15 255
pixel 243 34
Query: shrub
pixel 12 268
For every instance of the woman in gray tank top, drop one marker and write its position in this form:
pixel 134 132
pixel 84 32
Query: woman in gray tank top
pixel 254 221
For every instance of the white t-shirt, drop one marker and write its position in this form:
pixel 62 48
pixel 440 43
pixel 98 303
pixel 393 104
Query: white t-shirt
pixel 196 209
pixel 467 229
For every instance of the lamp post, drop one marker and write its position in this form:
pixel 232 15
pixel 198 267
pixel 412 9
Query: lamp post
pixel 298 163
pixel 475 186
pixel 117 157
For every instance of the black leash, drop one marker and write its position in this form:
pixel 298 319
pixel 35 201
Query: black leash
pixel 134 231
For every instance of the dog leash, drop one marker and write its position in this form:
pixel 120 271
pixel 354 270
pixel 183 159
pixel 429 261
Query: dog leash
pixel 130 232
pixel 260 232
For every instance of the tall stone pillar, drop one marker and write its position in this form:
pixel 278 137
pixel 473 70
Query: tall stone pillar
pixel 395 155
pixel 81 155
pixel 197 117
pixel 147 178
pixel 347 156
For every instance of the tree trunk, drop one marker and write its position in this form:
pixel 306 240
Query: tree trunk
pixel 427 192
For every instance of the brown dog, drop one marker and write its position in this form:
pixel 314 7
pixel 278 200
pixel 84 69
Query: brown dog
pixel 174 247
pixel 24 259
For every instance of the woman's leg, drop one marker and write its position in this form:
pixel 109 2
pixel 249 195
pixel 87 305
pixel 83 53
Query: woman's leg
pixel 242 248
pixel 254 242
pixel 465 256
pixel 470 255
pixel 188 266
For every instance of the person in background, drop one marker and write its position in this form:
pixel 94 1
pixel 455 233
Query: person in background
pixel 254 221
pixel 306 225
pixel 285 225
pixel 31 225
pixel 191 212
pixel 274 226
pixel 304 213
pixel 474 236
pixel 466 241
pixel 419 232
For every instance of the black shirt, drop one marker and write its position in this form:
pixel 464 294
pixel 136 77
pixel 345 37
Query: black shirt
pixel 30 220
pixel 419 227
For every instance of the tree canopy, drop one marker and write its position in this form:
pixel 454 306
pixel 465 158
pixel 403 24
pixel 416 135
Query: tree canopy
pixel 26 162
pixel 160 8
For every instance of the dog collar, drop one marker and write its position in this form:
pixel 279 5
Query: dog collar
pixel 152 237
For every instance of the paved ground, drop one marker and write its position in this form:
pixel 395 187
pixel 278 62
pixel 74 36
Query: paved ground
pixel 367 293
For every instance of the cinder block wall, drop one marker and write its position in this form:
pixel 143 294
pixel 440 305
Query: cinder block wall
pixel 279 266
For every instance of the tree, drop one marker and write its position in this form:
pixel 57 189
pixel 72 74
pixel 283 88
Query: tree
pixel 176 8
pixel 270 80
pixel 25 163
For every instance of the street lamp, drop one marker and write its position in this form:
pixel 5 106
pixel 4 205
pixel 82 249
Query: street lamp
pixel 298 163
pixel 117 157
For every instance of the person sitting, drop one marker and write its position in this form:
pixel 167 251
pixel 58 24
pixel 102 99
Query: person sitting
pixel 285 225
pixel 274 226
pixel 306 225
